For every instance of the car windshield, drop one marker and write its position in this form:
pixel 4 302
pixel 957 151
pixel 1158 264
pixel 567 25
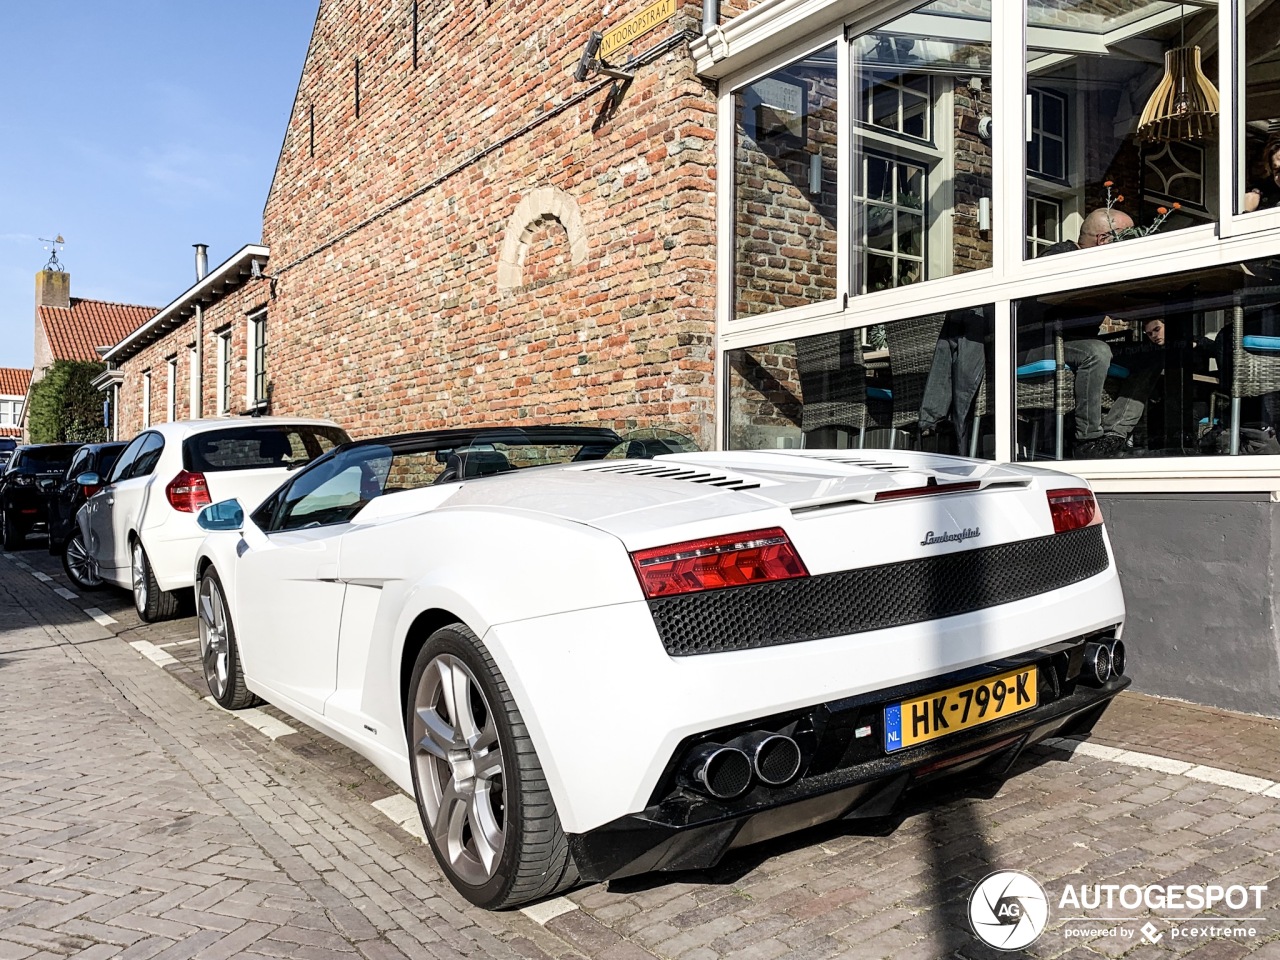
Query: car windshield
pixel 336 489
pixel 259 446
pixel 48 459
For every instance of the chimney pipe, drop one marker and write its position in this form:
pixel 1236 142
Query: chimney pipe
pixel 197 394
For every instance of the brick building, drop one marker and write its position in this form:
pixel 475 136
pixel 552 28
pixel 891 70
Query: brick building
pixel 804 222
pixel 75 328
pixel 14 383
pixel 460 232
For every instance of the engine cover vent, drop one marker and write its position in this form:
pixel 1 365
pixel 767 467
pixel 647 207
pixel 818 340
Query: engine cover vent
pixel 662 472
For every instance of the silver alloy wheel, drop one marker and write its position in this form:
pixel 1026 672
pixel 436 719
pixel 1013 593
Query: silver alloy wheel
pixel 214 648
pixel 460 770
pixel 79 565
pixel 139 577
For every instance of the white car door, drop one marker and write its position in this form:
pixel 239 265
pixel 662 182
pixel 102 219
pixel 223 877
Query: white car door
pixel 98 516
pixel 289 599
pixel 127 500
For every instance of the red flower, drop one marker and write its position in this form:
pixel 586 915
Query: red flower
pixel 1107 183
pixel 1120 198
pixel 1161 210
pixel 1177 206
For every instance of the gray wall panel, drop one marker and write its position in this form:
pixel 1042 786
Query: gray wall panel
pixel 1197 571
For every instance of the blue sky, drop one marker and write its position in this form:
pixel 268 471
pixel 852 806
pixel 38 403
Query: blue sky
pixel 135 128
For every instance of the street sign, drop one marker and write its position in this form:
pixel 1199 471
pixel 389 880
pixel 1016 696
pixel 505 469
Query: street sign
pixel 652 16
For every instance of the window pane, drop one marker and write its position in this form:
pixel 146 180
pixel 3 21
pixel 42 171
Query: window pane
pixel 922 383
pixel 1103 121
pixel 923 86
pixel 1183 365
pixel 1260 136
pixel 785 188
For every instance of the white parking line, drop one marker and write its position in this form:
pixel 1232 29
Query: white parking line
pixel 177 643
pixel 540 913
pixel 96 614
pixel 152 652
pixel 404 811
pixel 66 594
pixel 1148 761
pixel 262 722
pixel 42 577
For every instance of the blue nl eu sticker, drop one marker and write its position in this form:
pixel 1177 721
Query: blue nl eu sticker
pixel 893 728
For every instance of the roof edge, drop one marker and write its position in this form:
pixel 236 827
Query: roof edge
pixel 172 315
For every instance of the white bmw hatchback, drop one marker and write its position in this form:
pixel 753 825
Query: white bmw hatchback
pixel 139 529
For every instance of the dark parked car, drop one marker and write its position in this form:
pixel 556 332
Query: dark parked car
pixel 25 486
pixel 69 496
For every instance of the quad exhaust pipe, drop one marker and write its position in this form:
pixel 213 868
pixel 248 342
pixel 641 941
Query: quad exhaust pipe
pixel 725 770
pixel 1102 662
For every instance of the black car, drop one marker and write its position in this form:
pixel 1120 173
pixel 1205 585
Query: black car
pixel 69 496
pixel 25 486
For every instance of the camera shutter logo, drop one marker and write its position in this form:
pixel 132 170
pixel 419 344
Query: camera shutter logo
pixel 1008 910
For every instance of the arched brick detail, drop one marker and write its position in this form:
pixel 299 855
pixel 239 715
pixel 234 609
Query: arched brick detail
pixel 542 202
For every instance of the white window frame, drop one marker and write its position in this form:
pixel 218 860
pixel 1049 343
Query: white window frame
pixel 223 401
pixel 193 381
pixel 171 390
pixel 1235 237
pixel 255 323
pixel 146 399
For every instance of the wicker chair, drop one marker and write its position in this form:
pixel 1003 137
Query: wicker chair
pixel 911 347
pixel 833 383
pixel 1255 358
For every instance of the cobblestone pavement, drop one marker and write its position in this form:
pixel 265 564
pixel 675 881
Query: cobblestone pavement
pixel 139 820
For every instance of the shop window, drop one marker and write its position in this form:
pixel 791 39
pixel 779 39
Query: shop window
pixel 922 165
pixel 224 373
pixel 146 398
pixel 258 360
pixel 171 389
pixel 1181 365
pixel 920 383
pixel 1259 139
pixel 785 188
pixel 1092 73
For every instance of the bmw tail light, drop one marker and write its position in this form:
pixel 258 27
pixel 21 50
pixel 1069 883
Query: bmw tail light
pixel 733 560
pixel 1073 508
pixel 188 492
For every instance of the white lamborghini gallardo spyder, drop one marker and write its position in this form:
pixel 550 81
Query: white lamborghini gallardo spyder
pixel 586 661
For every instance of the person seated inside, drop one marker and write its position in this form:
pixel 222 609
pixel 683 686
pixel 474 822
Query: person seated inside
pixel 1087 356
pixel 1264 193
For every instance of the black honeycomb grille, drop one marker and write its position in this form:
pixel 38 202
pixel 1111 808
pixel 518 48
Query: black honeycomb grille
pixel 874 598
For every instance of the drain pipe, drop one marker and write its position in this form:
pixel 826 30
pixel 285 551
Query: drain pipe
pixel 710 15
pixel 202 269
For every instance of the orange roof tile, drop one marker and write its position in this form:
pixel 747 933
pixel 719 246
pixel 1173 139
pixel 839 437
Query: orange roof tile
pixel 14 381
pixel 73 334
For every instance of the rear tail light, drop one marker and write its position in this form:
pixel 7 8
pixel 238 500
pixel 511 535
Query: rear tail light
pixel 733 560
pixel 1073 508
pixel 188 492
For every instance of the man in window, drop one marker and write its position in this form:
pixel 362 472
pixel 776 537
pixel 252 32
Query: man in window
pixel 1087 356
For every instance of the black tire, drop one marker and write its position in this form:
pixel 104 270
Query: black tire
pixel 77 564
pixel 11 532
pixel 219 652
pixel 532 853
pixel 152 603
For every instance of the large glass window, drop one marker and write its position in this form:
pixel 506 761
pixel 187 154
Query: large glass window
pixel 1259 141
pixel 920 383
pixel 1121 117
pixel 922 146
pixel 1182 365
pixel 784 188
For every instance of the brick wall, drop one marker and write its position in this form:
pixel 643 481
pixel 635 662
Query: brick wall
pixel 396 309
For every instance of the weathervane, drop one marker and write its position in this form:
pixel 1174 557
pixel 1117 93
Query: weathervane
pixel 54 245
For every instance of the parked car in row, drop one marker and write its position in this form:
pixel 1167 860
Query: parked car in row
pixel 586 667
pixel 67 496
pixel 138 530
pixel 28 479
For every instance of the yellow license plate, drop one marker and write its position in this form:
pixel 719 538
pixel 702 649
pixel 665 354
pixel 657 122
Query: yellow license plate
pixel 935 715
